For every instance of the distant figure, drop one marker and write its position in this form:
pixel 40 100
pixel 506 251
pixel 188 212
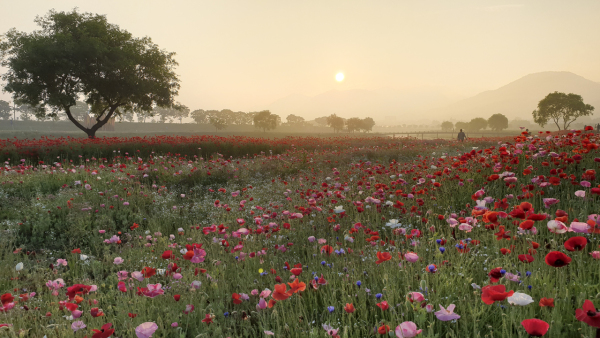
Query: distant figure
pixel 461 136
pixel 598 127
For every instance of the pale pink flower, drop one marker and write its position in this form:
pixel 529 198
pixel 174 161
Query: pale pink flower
pixel 262 304
pixel 146 330
pixel 269 333
pixel 580 193
pixel 78 325
pixel 557 227
pixel 61 261
pixel 579 227
pixel 446 314
pixel 154 290
pixel 465 227
pixel 311 239
pixel 118 261
pixel 416 297
pixel 138 275
pixel 407 330
pixel 254 292
pixel 595 254
pixel 265 293
pixel 122 275
pixel 321 241
pixel 199 255
pixel 411 257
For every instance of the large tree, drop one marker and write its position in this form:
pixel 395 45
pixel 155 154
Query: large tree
pixel 294 119
pixel 265 120
pixel 80 55
pixel 560 106
pixel 497 122
pixel 367 124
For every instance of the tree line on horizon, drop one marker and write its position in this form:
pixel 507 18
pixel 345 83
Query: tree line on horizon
pixel 131 75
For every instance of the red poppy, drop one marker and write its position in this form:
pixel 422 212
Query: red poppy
pixel 493 293
pixel 576 243
pixel 588 314
pixel 132 315
pixel 349 308
pixel 297 270
pixel 549 302
pixel 236 298
pixel 148 272
pixel 327 249
pixel 78 289
pixel 495 275
pixel 526 225
pixel 280 292
pixel 95 312
pixel 383 329
pixel 526 258
pixel 6 298
pixel 296 286
pixel 104 332
pixel 207 319
pixel 383 305
pixel 167 254
pixel 78 251
pixel 382 257
pixel 557 259
pixel 504 251
pixel 535 327
pixel 177 297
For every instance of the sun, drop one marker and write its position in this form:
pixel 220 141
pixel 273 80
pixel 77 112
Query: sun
pixel 339 77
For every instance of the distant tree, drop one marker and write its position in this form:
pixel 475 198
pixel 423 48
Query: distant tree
pixel 265 120
pixel 335 122
pixel 82 55
pixel 461 125
pixel 353 124
pixel 181 112
pixel 5 111
pixel 367 124
pixel 321 120
pixel 26 112
pixel 199 116
pixel 294 119
pixel 447 126
pixel 498 122
pixel 218 123
pixel 560 106
pixel 477 124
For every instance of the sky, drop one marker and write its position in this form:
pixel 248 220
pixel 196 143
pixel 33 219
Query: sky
pixel 244 55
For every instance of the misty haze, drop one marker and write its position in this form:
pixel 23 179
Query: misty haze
pixel 278 168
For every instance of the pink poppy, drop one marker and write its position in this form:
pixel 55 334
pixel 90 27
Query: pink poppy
pixel 146 330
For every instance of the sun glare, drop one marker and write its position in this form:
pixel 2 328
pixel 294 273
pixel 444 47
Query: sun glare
pixel 339 77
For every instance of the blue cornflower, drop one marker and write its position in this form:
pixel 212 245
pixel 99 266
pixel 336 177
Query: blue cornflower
pixel 378 296
pixel 442 249
pixel 359 283
pixel 330 309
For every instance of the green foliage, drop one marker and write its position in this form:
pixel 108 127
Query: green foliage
pixel 335 122
pixel 295 120
pixel 477 124
pixel 498 122
pixel 561 108
pixel 81 54
pixel 265 120
pixel 5 110
pixel 447 126
pixel 218 123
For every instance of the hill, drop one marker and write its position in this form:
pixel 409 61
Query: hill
pixel 519 98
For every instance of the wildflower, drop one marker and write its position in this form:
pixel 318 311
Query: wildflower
pixel 557 227
pixel 19 267
pixel 330 309
pixel 118 260
pixel 383 329
pixel 382 257
pixel 411 257
pixel 77 325
pixel 588 314
pixel 154 290
pixel 407 330
pixel 557 259
pixel 535 327
pixel 526 258
pixel 493 293
pixel 576 243
pixel 207 319
pixel 61 261
pixel 519 298
pixel 146 330
pixel 280 292
pixel 296 287
pixel 188 309
pixel 349 308
pixel 446 314
pixel 595 254
pixel 549 302
pixel 330 330
pixel 383 305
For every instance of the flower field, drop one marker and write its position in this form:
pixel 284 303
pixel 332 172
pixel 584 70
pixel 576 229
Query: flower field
pixel 300 237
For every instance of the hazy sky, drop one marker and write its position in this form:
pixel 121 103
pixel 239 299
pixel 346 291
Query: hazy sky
pixel 245 54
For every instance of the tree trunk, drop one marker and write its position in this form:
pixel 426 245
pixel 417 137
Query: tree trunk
pixel 91 132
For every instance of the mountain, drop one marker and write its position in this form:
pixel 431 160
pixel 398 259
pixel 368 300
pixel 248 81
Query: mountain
pixel 382 105
pixel 519 98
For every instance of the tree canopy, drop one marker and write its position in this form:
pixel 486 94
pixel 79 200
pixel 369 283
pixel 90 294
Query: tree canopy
pixel 77 55
pixel 561 108
pixel 265 120
pixel 335 122
pixel 447 126
pixel 477 124
pixel 498 122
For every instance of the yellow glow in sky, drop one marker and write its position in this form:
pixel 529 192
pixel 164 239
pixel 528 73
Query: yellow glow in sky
pixel 339 77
